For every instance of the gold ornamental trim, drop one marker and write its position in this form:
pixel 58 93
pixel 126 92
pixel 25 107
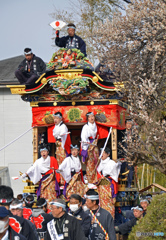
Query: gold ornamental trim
pixel 17 89
pixel 34 104
pixel 44 81
pixel 40 77
pixel 95 79
pixel 69 75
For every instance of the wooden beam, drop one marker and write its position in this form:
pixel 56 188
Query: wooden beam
pixel 153 185
pixel 35 144
pixel 114 143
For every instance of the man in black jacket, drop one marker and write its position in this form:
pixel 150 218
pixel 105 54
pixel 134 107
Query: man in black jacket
pixel 18 224
pixel 40 219
pixel 126 227
pixel 63 226
pixel 6 232
pixel 77 211
pixel 30 68
pixel 72 40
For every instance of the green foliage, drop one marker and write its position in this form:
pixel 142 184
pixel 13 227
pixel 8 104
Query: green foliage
pixel 154 221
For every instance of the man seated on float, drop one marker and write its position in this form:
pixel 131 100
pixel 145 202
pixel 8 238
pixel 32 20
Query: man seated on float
pixel 40 171
pixel 71 171
pixel 30 69
pixel 72 40
pixel 110 169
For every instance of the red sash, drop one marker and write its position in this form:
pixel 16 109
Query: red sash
pixel 51 138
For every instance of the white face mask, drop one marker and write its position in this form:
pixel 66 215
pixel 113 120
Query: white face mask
pixel 74 207
pixel 2 226
pixel 85 208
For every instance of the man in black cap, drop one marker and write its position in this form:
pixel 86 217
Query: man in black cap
pixel 72 40
pixel 6 232
pixel 18 224
pixel 30 68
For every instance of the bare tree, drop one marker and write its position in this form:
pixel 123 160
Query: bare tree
pixel 85 13
pixel 134 47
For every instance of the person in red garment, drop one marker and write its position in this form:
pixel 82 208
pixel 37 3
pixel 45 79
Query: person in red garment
pixel 43 171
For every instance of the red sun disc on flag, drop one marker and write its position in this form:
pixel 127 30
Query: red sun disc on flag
pixel 57 24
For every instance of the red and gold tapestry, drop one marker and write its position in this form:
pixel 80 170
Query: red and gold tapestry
pixel 106 115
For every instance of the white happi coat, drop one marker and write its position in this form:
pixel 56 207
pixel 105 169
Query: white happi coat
pixel 59 130
pixel 70 163
pixel 88 130
pixel 40 167
pixel 110 167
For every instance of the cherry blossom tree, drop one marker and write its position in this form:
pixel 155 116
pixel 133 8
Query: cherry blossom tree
pixel 134 47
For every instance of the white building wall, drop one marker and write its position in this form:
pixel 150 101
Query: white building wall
pixel 15 119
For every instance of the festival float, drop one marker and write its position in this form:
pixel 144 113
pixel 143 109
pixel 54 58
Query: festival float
pixel 73 87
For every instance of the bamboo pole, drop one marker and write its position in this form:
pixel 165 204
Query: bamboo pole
pixel 142 178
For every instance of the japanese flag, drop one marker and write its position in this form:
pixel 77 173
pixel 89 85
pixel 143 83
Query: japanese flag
pixel 57 25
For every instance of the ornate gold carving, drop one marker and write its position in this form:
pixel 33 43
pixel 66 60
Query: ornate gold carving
pixel 40 78
pixel 55 103
pixel 69 74
pixel 95 79
pixel 73 103
pixel 44 80
pixel 91 103
pixel 34 104
pixel 17 89
pixel 113 101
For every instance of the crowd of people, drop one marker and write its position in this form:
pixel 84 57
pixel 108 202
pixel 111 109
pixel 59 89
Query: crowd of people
pixel 24 217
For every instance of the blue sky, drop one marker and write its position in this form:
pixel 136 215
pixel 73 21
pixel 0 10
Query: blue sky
pixel 25 23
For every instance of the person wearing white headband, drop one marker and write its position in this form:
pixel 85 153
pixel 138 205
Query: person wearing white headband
pixel 43 171
pixel 63 225
pixel 71 171
pixel 90 134
pixel 30 68
pixel 16 208
pixel 72 40
pixel 109 170
pixel 125 228
pixel 102 223
pixel 144 203
pixel 19 224
pixel 62 140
